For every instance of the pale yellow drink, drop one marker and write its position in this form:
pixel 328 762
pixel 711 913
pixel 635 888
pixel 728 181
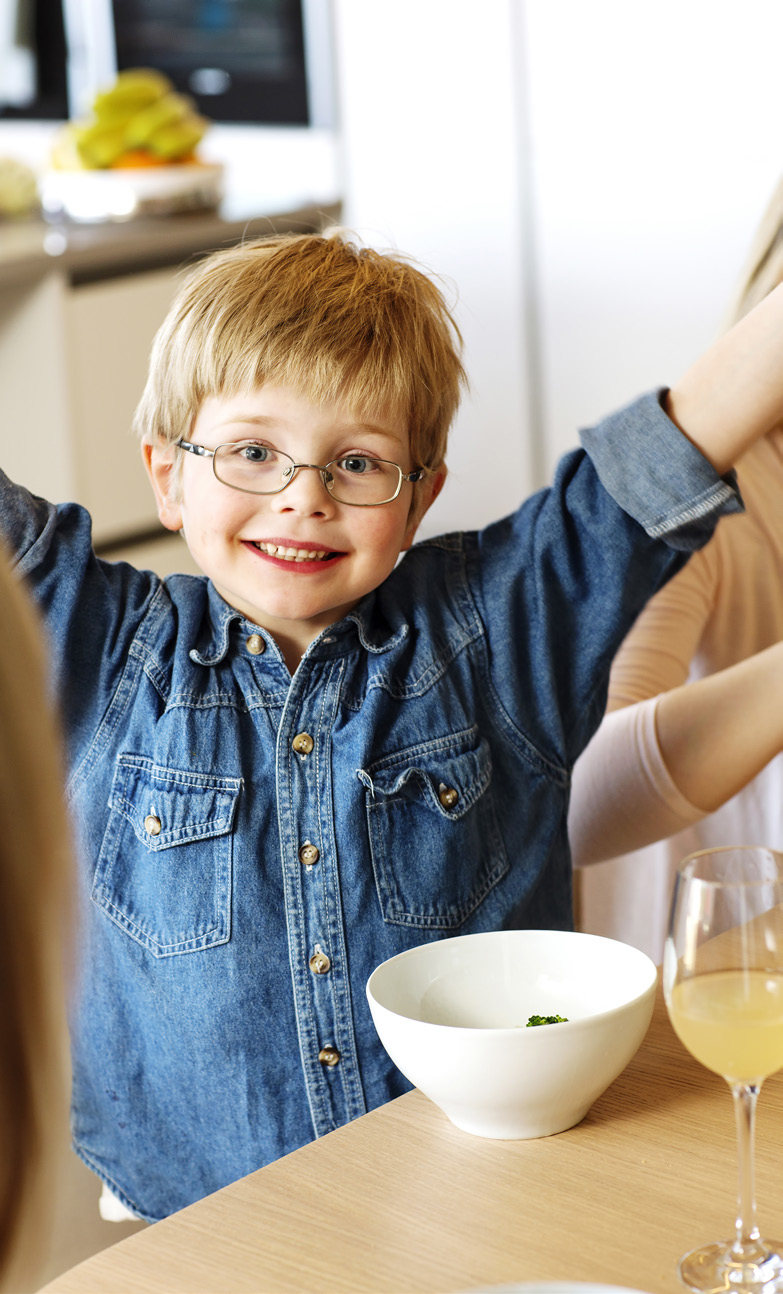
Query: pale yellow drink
pixel 732 1021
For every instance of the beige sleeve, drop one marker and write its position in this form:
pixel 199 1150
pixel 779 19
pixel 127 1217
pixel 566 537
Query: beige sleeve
pixel 622 796
pixel 657 652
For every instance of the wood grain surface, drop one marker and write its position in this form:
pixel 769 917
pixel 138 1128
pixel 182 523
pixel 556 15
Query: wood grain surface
pixel 402 1201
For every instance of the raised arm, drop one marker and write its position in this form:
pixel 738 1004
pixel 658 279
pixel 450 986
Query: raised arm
pixel 734 393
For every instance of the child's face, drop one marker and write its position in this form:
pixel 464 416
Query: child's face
pixel 294 599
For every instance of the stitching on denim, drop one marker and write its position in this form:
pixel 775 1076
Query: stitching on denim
pixel 719 494
pixel 181 776
pixel 389 894
pixel 198 942
pixel 342 997
pixel 291 876
pixel 505 725
pixel 457 742
pixel 123 694
pixel 86 1157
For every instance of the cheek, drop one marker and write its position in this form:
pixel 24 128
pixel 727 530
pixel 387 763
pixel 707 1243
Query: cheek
pixel 383 534
pixel 207 512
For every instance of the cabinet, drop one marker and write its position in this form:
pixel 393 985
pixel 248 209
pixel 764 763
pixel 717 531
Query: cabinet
pixel 72 367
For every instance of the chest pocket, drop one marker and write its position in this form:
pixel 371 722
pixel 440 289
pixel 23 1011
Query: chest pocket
pixel 436 845
pixel 164 871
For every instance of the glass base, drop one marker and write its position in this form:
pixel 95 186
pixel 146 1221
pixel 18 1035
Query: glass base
pixel 718 1268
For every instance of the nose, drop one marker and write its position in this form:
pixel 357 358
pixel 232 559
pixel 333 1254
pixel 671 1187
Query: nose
pixel 305 493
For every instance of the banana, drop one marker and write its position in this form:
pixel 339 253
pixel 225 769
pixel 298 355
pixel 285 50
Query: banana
pixel 178 138
pixel 98 146
pixel 167 110
pixel 133 90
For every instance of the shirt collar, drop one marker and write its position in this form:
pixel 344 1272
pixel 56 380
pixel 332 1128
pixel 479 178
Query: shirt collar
pixel 372 627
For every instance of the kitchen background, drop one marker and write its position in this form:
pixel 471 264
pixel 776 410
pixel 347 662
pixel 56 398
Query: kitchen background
pixel 586 174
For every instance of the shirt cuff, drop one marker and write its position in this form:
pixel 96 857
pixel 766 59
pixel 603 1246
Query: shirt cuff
pixel 657 476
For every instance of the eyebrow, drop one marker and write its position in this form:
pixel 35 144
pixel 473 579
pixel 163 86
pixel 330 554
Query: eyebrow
pixel 269 423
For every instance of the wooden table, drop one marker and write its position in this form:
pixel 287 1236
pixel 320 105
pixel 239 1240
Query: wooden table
pixel 401 1200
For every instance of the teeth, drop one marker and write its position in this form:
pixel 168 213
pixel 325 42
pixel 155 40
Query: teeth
pixel 293 554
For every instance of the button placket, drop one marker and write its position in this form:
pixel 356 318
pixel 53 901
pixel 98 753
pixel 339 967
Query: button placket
pixel 313 899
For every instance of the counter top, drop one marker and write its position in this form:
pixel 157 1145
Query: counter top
pixel 85 253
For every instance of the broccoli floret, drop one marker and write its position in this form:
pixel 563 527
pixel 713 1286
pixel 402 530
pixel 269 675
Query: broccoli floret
pixel 546 1019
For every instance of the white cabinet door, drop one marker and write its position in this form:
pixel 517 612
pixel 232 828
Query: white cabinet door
pixel 35 418
pixel 109 330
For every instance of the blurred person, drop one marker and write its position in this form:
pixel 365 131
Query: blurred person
pixel 34 907
pixel 689 753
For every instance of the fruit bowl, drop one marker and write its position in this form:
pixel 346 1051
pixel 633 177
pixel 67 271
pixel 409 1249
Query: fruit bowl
pixel 127 194
pixel 134 154
pixel 453 1017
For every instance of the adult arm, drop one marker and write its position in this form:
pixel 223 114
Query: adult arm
pixel 733 394
pixel 717 734
pixel 656 767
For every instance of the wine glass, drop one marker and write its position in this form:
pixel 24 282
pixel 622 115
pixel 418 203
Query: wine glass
pixel 723 985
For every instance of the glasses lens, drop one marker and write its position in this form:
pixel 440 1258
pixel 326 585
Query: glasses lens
pixel 363 481
pixel 258 469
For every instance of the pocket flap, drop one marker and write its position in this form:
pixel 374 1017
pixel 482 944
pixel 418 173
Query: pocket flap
pixel 168 806
pixel 448 774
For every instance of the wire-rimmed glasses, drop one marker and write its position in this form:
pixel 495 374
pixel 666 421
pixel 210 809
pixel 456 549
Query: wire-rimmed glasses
pixel 355 479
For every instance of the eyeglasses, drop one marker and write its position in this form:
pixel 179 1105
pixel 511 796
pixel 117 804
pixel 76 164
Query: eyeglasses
pixel 356 479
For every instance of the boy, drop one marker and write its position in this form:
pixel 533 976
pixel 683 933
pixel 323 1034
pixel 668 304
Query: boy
pixel 312 758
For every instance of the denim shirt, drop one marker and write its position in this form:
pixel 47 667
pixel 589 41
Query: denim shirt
pixel 251 845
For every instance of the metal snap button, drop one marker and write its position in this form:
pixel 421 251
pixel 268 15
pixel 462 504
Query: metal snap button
pixel 255 645
pixel 303 743
pixel 448 796
pixel 308 854
pixel 152 824
pixel 329 1056
pixel 319 963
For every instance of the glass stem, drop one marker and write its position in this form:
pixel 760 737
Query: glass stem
pixel 745 1096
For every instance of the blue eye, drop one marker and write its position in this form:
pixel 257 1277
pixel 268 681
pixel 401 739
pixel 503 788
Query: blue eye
pixel 356 465
pixel 254 453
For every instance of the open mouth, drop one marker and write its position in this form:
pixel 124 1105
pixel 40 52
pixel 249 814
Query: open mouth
pixel 294 555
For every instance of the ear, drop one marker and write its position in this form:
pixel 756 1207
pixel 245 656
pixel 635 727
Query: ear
pixel 159 460
pixel 429 489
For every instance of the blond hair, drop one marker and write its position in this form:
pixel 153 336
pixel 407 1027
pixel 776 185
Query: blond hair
pixel 320 314
pixel 34 903
pixel 763 268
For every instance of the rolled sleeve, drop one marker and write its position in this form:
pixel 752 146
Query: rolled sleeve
pixel 657 476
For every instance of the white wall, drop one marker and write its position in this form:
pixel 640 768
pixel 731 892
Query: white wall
pixel 430 130
pixel 656 139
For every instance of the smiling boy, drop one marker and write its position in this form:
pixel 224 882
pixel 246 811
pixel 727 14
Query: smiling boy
pixel 321 539
pixel 314 756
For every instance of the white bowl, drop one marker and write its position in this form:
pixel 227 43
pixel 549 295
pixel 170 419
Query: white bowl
pixel 452 1015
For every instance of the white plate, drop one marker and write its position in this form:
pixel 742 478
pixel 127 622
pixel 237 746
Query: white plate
pixel 552 1287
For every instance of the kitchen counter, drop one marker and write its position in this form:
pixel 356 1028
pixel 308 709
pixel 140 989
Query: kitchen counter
pixel 87 253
